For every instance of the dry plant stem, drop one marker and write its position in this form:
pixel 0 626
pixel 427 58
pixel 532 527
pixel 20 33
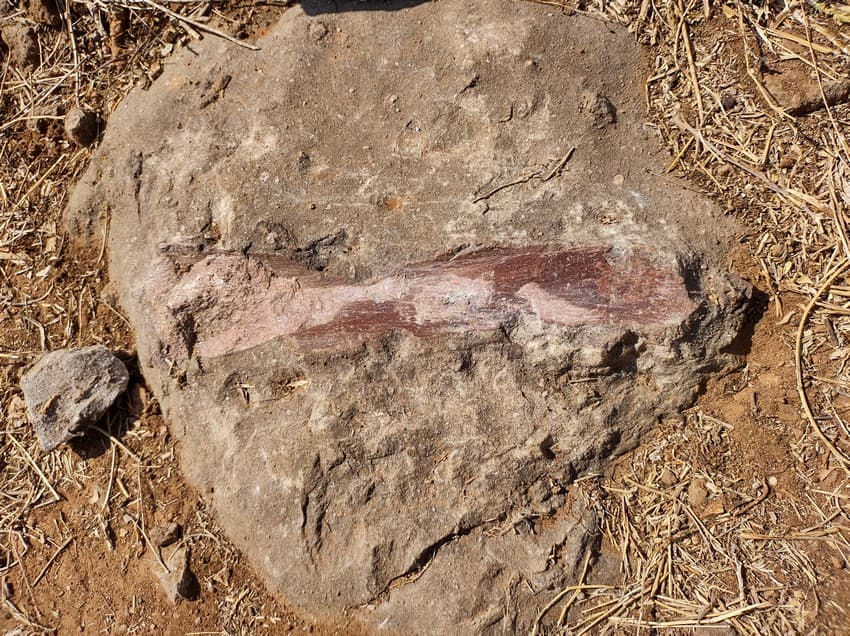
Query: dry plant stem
pixel 827 106
pixel 35 467
pixel 194 24
pixel 108 494
pixel 150 545
pixel 528 177
pixel 692 66
pixel 50 561
pixel 751 73
pixel 117 442
pixel 574 588
pixel 839 455
pixel 66 16
pixel 710 619
pixel 560 165
pixel 578 590
pixel 782 192
pixel 46 174
pixel 504 186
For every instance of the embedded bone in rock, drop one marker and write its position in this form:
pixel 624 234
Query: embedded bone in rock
pixel 396 284
pixel 226 303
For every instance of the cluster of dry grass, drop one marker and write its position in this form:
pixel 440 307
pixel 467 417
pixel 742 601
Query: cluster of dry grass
pixel 699 547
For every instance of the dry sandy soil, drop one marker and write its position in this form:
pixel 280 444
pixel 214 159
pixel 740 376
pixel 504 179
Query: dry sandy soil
pixel 733 517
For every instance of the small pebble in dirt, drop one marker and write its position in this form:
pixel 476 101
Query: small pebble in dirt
pixel 44 12
pixel 82 126
pixel 668 477
pixel 179 581
pixel 22 44
pixel 68 390
pixel 697 494
pixel 166 534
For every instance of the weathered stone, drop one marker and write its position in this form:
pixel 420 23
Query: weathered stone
pixel 165 535
pixel 69 390
pixel 21 43
pixel 178 581
pixel 82 126
pixel 391 314
pixel 800 94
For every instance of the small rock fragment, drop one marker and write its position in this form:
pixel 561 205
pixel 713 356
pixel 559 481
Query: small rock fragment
pixel 179 582
pixel 601 109
pixel 44 12
pixel 69 390
pixel 697 494
pixel 728 101
pixel 17 409
pixel 799 94
pixel 22 44
pixel 165 534
pixel 82 126
pixel 539 492
pixel 317 30
pixel 668 477
pixel 714 507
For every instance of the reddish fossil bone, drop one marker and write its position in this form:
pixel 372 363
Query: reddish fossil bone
pixel 228 302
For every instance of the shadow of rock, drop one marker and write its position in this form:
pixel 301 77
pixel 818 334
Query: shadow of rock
pixel 318 7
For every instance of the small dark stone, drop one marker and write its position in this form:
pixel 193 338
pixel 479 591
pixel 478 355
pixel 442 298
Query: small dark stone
pixel 82 126
pixel 166 534
pixel 728 101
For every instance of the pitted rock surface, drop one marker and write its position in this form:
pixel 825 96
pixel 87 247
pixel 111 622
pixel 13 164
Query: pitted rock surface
pixel 397 280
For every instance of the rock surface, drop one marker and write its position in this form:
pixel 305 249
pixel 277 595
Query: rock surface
pixel 399 278
pixel 82 126
pixel 178 581
pixel 68 390
pixel 21 44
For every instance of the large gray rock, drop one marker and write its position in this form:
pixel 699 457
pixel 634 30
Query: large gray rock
pixel 68 390
pixel 390 314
